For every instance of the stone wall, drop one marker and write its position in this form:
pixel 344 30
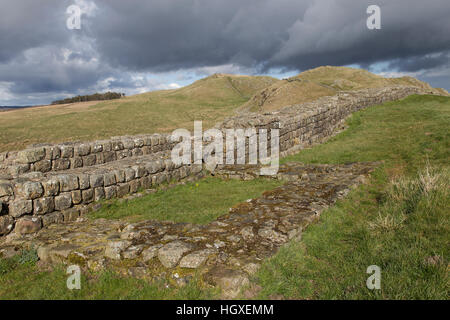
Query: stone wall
pixel 72 155
pixel 47 184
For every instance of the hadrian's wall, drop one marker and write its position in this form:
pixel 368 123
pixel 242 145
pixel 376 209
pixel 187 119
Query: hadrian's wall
pixel 56 183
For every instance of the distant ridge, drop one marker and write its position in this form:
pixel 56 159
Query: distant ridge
pixel 324 81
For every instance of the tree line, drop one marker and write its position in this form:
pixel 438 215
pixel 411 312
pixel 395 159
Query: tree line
pixel 92 97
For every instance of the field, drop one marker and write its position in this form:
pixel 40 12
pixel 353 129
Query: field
pixel 210 100
pixel 399 221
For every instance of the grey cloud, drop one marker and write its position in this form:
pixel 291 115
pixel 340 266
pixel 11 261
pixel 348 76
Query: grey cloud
pixel 167 35
pixel 135 36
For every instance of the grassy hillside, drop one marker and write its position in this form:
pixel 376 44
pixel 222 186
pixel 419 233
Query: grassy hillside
pixel 210 100
pixel 323 81
pixel 399 221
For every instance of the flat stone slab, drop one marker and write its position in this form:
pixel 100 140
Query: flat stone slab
pixel 237 241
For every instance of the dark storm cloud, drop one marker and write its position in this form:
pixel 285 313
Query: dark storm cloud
pixel 166 35
pixel 27 24
pixel 38 54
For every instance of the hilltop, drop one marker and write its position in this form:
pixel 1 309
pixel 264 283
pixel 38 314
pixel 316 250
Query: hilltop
pixel 324 81
pixel 210 99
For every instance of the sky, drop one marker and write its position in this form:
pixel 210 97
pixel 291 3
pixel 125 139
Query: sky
pixel 136 46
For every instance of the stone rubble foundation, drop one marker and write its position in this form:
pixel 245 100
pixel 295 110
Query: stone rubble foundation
pixel 225 252
pixel 47 189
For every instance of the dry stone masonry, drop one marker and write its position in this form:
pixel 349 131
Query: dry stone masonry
pixel 55 183
pixel 46 191
pixel 224 252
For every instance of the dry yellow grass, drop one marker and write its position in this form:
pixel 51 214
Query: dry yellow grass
pixel 210 100
pixel 323 81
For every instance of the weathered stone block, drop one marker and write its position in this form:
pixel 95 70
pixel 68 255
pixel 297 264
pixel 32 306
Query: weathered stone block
pixel 51 187
pixel 122 154
pixel 82 149
pixel 51 218
pixel 76 162
pixel 6 189
pixel 84 181
pixel 171 253
pixel 117 145
pixel 109 156
pixel 61 164
pixel 128 144
pixel 89 160
pixel 31 155
pixel 196 259
pixel 139 171
pixel 71 215
pixel 29 190
pixel 138 142
pixel 44 205
pixel 6 225
pixel 87 195
pixel 63 201
pixel 130 174
pixel 110 192
pixel 146 182
pixel 52 152
pixel 137 152
pixel 120 175
pixel 96 180
pixel 99 158
pixel 76 197
pixel 68 182
pixel 18 169
pixel 146 150
pixel 109 179
pixel 99 193
pixel 107 146
pixel 66 151
pixel 28 224
pixel 123 189
pixel 134 186
pixel 97 147
pixel 154 140
pixel 42 166
pixel 19 207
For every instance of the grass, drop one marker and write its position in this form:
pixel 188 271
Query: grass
pixel 25 280
pixel 399 221
pixel 210 100
pixel 195 202
pixel 324 81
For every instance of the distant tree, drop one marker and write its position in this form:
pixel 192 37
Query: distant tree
pixel 93 97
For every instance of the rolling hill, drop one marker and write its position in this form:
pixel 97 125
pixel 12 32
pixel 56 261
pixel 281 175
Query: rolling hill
pixel 210 99
pixel 323 81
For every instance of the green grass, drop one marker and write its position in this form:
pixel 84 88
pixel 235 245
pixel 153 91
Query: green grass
pixel 397 221
pixel 195 202
pixel 25 280
pixel 404 133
